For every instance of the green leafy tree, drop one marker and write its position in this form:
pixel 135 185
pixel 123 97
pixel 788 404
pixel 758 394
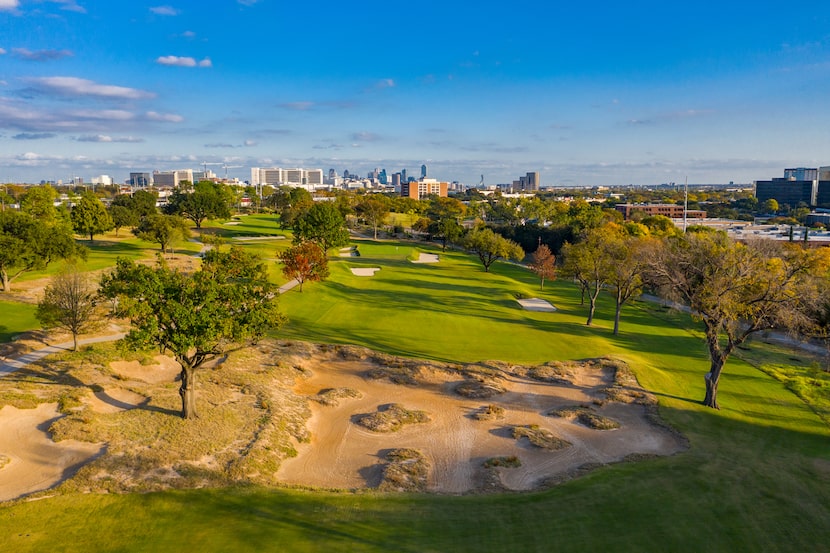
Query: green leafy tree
pixel 770 206
pixel 122 217
pixel 490 246
pixel 90 217
pixel 374 209
pixel 443 216
pixel 588 265
pixel 737 289
pixel 207 201
pixel 163 230
pixel 70 303
pixel 627 257
pixel 195 317
pixel 322 224
pixel 31 244
pixel 306 262
pixel 39 202
pixel 543 263
pixel 290 202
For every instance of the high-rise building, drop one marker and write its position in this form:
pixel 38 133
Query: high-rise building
pixel 140 179
pixel 801 173
pixel 528 183
pixel 423 171
pixel 396 180
pixel 403 176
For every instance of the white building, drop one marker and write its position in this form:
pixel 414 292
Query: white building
pixel 104 180
pixel 310 179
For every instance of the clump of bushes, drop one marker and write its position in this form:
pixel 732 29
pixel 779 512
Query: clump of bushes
pixel 406 471
pixel 540 437
pixel 585 416
pixel 392 418
pixel 489 412
pixel 479 389
pixel 332 396
pixel 509 462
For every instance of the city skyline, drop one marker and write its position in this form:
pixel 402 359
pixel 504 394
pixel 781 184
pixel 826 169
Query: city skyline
pixel 608 94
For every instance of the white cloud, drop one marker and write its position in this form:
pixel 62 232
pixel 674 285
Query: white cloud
pixel 385 83
pixel 40 55
pixel 69 5
pixel 107 138
pixel 2 51
pixel 183 61
pixel 8 5
pixel 73 86
pixel 165 117
pixel 189 34
pixel 250 143
pixel 164 10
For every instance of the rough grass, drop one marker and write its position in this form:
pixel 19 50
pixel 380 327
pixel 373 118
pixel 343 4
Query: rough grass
pixel 489 412
pixel 540 437
pixel 332 396
pixel 406 470
pixel 391 418
pixel 511 461
pixel 585 416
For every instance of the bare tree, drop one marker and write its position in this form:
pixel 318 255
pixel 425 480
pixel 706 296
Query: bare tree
pixel 69 303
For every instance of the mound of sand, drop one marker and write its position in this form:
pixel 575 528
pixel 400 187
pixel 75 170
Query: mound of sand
pixel 115 400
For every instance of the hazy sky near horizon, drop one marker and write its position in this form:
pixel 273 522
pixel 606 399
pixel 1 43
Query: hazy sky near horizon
pixel 585 93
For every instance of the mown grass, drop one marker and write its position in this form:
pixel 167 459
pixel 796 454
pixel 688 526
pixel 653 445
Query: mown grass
pixel 16 318
pixel 756 476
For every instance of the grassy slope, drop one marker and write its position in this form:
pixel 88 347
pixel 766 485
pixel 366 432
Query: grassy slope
pixel 16 317
pixel 757 476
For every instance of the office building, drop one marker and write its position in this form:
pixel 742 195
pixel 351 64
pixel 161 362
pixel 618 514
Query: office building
pixel 526 184
pixel 172 179
pixel 423 188
pixel 672 211
pixel 140 180
pixel 423 171
pixel 298 177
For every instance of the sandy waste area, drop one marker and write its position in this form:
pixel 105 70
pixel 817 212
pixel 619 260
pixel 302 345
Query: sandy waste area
pixel 455 444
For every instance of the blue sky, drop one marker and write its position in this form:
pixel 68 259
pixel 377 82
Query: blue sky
pixel 585 93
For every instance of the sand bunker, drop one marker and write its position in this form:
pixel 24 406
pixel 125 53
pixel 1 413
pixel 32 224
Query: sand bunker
pixel 33 461
pixel 426 258
pixel 457 442
pixel 536 304
pixel 115 400
pixel 165 371
pixel 365 271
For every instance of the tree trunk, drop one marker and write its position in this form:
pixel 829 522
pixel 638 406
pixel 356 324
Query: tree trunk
pixel 4 276
pixel 542 284
pixel 187 391
pixel 91 237
pixel 617 318
pixel 591 308
pixel 712 378
pixel 74 341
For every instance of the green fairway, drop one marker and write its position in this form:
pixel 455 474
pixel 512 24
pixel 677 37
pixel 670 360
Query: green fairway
pixel 756 476
pixel 15 318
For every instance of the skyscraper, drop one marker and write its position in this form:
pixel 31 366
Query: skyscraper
pixel 423 171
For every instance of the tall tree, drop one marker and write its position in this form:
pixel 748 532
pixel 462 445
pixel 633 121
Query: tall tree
pixel 737 289
pixel 39 202
pixel 306 262
pixel 490 246
pixel 30 244
pixel 207 201
pixel 290 202
pixel 196 317
pixel 443 220
pixel 90 217
pixel 322 224
pixel 69 302
pixel 164 230
pixel 122 217
pixel 587 263
pixel 374 209
pixel 626 256
pixel 543 263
